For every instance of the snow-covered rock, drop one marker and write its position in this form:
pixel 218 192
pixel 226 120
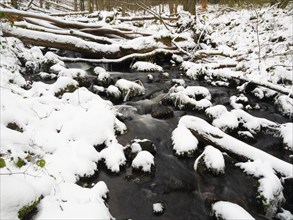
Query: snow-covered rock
pixel 284 215
pixel 286 132
pixel 228 211
pixel 72 73
pixel 103 77
pixel 144 160
pixel 228 121
pixel 183 141
pixel 114 157
pixel 142 66
pixel 158 208
pixel 130 89
pixel 270 187
pixel 284 105
pixel 193 97
pixel 213 160
pixel 222 118
pixel 113 92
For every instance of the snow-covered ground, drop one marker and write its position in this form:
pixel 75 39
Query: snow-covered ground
pixel 50 132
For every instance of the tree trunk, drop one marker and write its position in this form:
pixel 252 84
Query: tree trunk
pixel 75 5
pixel 14 3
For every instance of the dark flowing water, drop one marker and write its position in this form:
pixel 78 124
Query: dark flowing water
pixel 186 194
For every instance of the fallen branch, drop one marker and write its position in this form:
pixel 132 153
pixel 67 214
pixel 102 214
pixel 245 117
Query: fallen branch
pixel 205 53
pixel 145 18
pixel 69 13
pixel 122 59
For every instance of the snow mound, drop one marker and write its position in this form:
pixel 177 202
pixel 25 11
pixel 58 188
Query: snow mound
pixel 144 160
pixel 228 211
pixel 71 201
pixel 270 187
pixel 183 141
pixel 59 125
pixel 18 191
pixel 142 66
pixel 213 159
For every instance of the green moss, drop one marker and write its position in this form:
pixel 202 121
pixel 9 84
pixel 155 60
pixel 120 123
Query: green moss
pixel 264 202
pixel 20 162
pixel 24 211
pixel 68 88
pixel 2 162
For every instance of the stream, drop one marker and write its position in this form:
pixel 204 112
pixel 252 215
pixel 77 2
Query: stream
pixel 184 193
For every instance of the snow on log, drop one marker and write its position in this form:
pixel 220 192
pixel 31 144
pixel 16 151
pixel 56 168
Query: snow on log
pixel 144 45
pixel 212 135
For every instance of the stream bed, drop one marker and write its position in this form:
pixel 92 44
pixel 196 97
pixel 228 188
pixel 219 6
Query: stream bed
pixel 184 193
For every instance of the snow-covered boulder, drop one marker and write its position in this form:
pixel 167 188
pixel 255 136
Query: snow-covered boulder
pixel 114 93
pixel 143 161
pixel 103 77
pixel 72 73
pixel 191 97
pixel 113 157
pixel 228 211
pixel 270 187
pixel 284 105
pixel 222 118
pixel 184 142
pixel 238 102
pixel 63 85
pixel 142 66
pixel 213 160
pixel 130 89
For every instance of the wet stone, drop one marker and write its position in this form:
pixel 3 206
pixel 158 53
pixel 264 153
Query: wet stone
pixel 146 145
pixel 162 112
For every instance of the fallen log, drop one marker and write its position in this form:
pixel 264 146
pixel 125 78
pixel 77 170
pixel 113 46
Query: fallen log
pixel 90 49
pixel 214 136
pixel 98 39
pixel 122 59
